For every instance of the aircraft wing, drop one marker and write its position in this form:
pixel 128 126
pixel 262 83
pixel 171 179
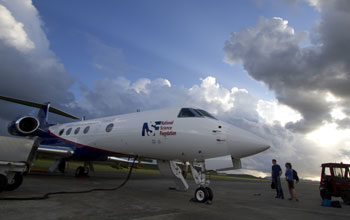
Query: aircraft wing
pixel 60 152
pixel 37 105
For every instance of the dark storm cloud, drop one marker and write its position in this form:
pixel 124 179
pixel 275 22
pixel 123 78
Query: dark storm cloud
pixel 301 77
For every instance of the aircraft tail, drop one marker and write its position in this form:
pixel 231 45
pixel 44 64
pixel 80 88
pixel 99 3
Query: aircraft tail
pixel 29 125
pixel 43 115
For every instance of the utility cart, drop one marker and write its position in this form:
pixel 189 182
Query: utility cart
pixel 16 156
pixel 335 181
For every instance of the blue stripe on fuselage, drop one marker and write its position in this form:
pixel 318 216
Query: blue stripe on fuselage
pixel 81 152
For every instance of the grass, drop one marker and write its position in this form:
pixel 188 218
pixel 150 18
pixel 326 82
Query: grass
pixel 231 177
pixel 44 164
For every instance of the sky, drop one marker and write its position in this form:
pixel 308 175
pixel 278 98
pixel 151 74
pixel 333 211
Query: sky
pixel 279 69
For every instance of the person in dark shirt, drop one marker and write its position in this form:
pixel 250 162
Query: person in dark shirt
pixel 276 178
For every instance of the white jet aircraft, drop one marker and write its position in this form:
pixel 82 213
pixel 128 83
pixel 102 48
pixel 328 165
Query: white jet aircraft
pixel 171 136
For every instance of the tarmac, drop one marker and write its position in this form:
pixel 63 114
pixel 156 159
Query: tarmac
pixel 148 197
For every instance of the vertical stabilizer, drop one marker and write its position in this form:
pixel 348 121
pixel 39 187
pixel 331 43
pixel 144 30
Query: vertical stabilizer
pixel 43 115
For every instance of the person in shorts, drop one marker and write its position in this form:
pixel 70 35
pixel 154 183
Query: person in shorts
pixel 290 181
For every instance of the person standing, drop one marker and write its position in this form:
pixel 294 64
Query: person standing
pixel 276 178
pixel 290 180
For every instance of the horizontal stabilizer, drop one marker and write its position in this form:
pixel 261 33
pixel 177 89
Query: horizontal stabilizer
pixel 37 105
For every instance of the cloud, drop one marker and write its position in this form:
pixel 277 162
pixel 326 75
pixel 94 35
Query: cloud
pixel 118 95
pixel 273 112
pixel 12 33
pixel 29 69
pixel 111 96
pixel 301 76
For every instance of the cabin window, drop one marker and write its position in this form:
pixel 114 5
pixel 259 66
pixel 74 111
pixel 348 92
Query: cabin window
pixel 68 131
pixel 77 130
pixel 109 127
pixel 86 130
pixel 61 132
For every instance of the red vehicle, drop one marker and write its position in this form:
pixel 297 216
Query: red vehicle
pixel 335 181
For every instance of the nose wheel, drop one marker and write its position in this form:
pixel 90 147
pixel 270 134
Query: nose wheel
pixel 203 194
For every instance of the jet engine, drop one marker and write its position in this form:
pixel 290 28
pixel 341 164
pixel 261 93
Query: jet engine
pixel 24 126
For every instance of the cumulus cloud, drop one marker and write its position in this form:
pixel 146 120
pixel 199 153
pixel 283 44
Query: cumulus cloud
pixel 12 33
pixel 111 96
pixel 301 76
pixel 29 69
pixel 118 95
pixel 273 112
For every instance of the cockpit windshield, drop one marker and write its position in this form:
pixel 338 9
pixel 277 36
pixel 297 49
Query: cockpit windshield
pixel 186 113
pixel 194 113
pixel 205 113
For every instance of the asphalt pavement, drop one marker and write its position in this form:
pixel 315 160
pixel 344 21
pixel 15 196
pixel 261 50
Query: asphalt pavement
pixel 148 197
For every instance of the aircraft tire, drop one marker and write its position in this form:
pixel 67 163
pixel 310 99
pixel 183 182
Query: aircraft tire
pixel 211 195
pixel 201 195
pixel 3 182
pixel 345 195
pixel 62 166
pixel 17 181
pixel 82 171
pixel 79 171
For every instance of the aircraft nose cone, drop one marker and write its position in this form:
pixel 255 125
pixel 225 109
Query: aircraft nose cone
pixel 242 143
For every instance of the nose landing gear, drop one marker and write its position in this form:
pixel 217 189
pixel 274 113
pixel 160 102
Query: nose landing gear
pixel 203 193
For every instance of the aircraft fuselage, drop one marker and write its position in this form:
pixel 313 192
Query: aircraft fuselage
pixel 160 134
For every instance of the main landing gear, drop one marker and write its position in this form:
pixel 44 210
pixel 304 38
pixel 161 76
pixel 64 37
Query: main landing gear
pixel 83 171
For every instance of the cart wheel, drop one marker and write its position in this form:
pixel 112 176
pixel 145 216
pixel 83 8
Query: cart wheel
pixel 3 182
pixel 346 197
pixel 325 194
pixel 16 182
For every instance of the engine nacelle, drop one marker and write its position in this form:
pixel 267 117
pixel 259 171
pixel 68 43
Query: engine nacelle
pixel 24 126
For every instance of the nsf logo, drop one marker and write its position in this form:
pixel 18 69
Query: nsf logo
pixel 150 130
pixel 162 128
